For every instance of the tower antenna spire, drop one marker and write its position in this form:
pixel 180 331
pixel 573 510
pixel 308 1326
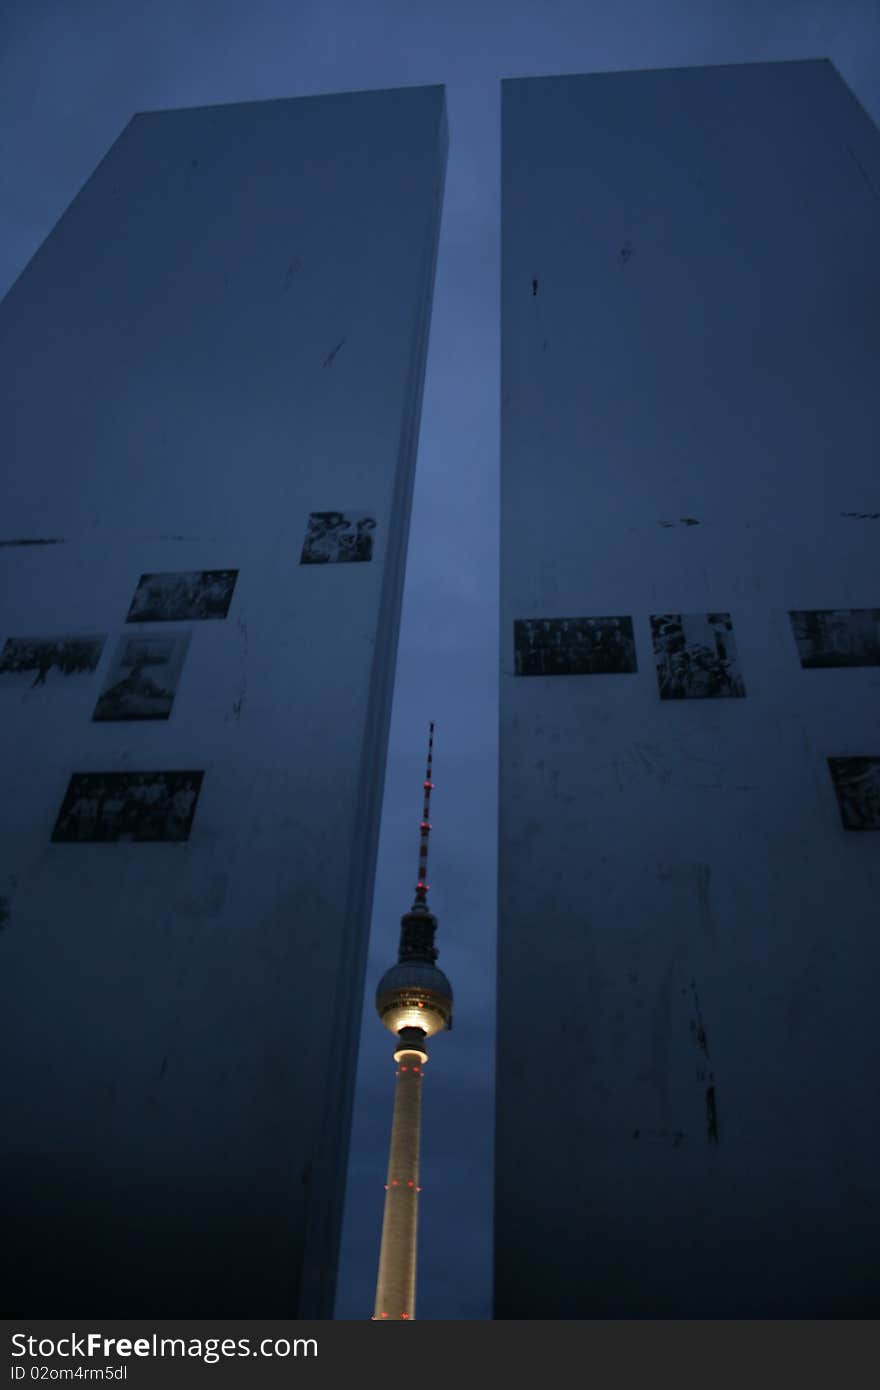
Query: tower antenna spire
pixel 422 886
pixel 414 1000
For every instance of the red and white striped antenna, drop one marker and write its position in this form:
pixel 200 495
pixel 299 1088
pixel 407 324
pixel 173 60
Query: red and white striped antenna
pixel 425 828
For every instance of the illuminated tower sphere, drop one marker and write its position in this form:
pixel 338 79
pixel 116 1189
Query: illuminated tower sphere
pixel 414 1000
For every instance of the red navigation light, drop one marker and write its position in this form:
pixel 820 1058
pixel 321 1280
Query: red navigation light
pixel 426 825
pixel 429 785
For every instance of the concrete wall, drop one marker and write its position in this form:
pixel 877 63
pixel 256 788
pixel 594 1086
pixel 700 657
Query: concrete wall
pixel 689 950
pixel 225 332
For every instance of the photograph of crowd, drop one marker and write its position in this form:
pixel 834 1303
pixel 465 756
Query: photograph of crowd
pixel 142 681
pixel 337 537
pixel 111 806
pixel 857 783
pixel 67 656
pixel 574 646
pixel 837 636
pixel 174 598
pixel 696 656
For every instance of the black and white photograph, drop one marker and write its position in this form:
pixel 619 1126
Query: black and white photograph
pixel 857 783
pixel 182 597
pixel 142 681
pixel 696 656
pixel 574 646
pixel 828 637
pixel 112 806
pixel 334 538
pixel 42 657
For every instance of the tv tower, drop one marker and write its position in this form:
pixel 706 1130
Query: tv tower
pixel 414 1000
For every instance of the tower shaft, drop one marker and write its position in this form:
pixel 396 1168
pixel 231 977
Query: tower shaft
pixel 414 1001
pixel 396 1284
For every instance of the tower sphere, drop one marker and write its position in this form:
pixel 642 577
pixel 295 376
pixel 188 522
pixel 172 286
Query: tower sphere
pixel 414 994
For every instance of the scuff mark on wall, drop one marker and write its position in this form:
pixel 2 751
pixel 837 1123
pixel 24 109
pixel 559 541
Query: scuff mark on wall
pixel 293 269
pixel 863 171
pixel 651 758
pixel 698 1030
pixel 48 540
pixel 704 879
pixel 697 1026
pixel 329 359
pixel 711 1115
pixel 863 516
pixel 676 1136
pixel 243 633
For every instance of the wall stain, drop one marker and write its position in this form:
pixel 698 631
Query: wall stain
pixel 652 760
pixel 329 359
pixel 626 251
pixel 704 880
pixel 697 1025
pixel 48 540
pixel 711 1116
pixel 699 1031
pixel 677 1136
pixel 237 704
pixel 293 269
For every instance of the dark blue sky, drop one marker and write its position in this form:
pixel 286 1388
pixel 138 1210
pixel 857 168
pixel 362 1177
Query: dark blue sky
pixel 72 73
